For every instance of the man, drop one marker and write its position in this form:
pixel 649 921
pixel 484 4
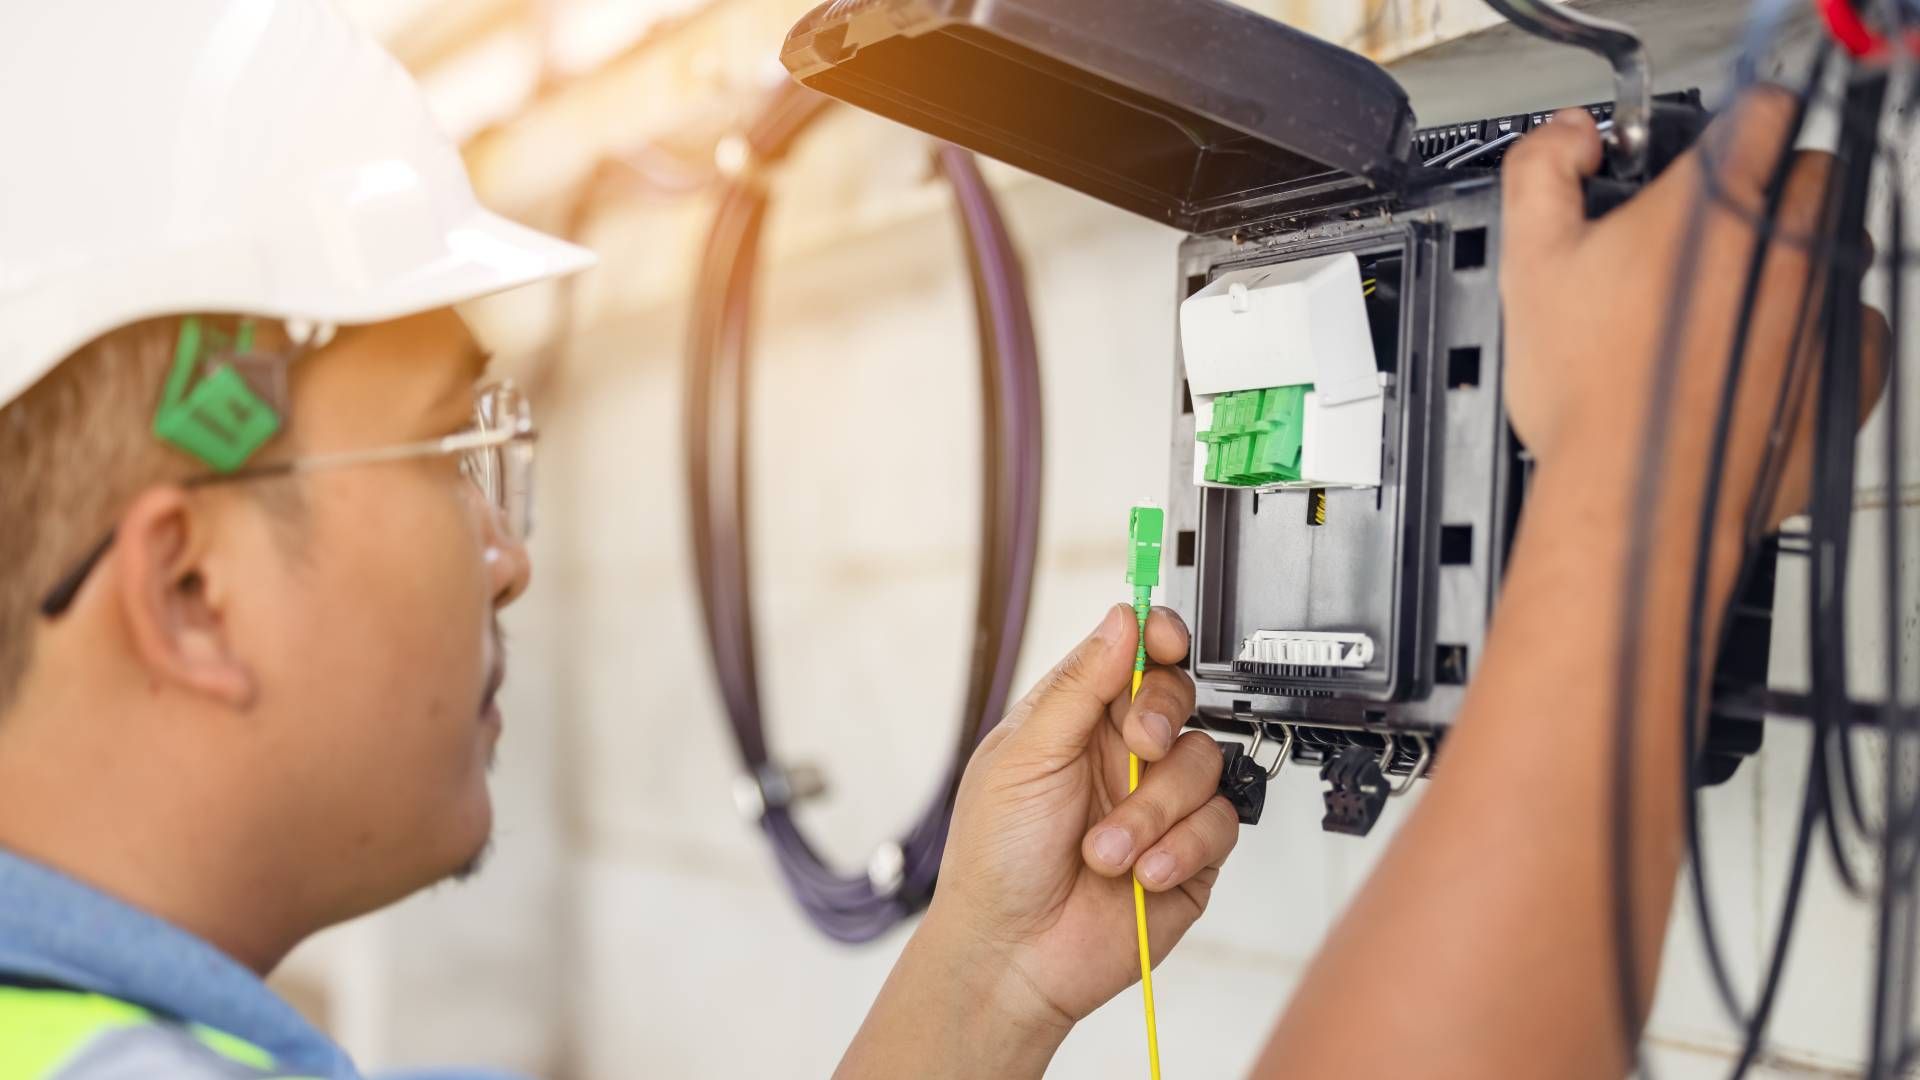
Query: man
pixel 258 524
pixel 235 711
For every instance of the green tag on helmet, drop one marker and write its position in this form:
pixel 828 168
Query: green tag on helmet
pixel 220 420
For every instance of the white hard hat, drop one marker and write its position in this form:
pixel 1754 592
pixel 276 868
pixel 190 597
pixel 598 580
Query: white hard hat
pixel 256 157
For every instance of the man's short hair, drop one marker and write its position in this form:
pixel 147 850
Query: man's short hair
pixel 74 449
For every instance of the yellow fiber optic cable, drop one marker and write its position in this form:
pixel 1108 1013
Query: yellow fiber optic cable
pixel 1140 923
pixel 1145 526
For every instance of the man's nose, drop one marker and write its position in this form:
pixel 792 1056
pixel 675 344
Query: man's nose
pixel 509 565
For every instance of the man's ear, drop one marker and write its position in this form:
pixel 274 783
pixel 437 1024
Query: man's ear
pixel 175 621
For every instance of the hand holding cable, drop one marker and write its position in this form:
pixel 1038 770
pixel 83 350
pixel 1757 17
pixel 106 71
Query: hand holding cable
pixel 1146 525
pixel 1045 839
pixel 1616 329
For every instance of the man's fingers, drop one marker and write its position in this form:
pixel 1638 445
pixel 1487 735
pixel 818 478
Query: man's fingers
pixel 1154 717
pixel 1545 205
pixel 1795 480
pixel 1149 723
pixel 1876 342
pixel 1202 840
pixel 1778 311
pixel 1171 791
pixel 1803 203
pixel 1167 637
pixel 1744 147
pixel 1064 709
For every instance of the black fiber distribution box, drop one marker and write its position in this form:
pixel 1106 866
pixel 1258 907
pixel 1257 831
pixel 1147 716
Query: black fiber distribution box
pixel 1269 146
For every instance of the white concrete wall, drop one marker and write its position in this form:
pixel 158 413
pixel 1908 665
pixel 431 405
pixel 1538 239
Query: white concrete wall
pixel 632 925
pixel 670 934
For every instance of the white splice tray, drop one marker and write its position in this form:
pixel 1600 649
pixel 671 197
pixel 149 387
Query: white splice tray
pixel 1297 323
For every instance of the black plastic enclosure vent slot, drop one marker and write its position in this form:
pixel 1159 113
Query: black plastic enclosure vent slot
pixel 1470 249
pixel 1463 367
pixel 1383 307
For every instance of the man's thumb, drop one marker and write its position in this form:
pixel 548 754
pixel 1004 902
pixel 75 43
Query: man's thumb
pixel 1063 711
pixel 1545 204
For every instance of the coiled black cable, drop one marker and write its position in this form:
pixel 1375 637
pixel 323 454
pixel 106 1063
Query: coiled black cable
pixel 860 906
pixel 1838 262
pixel 1894 967
pixel 1696 630
pixel 1837 421
pixel 1650 471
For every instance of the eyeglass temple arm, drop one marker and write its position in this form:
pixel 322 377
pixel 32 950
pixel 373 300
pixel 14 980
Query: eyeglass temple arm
pixel 61 598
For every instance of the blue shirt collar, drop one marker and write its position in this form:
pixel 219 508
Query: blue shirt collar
pixel 57 929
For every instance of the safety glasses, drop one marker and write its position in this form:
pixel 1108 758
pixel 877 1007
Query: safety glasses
pixel 496 454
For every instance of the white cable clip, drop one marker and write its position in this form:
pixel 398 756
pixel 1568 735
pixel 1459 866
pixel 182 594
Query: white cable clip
pixel 887 869
pixel 776 787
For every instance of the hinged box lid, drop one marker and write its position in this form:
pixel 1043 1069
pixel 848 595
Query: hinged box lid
pixel 1188 112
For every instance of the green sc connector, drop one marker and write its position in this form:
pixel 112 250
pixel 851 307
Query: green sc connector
pixel 1146 526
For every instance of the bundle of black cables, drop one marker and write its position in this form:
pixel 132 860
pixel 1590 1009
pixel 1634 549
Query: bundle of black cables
pixel 855 907
pixel 1825 330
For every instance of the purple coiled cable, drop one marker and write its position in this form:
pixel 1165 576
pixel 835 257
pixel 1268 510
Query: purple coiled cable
pixel 852 907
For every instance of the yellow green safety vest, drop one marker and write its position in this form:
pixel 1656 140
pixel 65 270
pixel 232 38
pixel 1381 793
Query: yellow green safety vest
pixel 50 1032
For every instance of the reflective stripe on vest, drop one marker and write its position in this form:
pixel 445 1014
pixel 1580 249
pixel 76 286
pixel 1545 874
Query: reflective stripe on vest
pixel 55 1034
